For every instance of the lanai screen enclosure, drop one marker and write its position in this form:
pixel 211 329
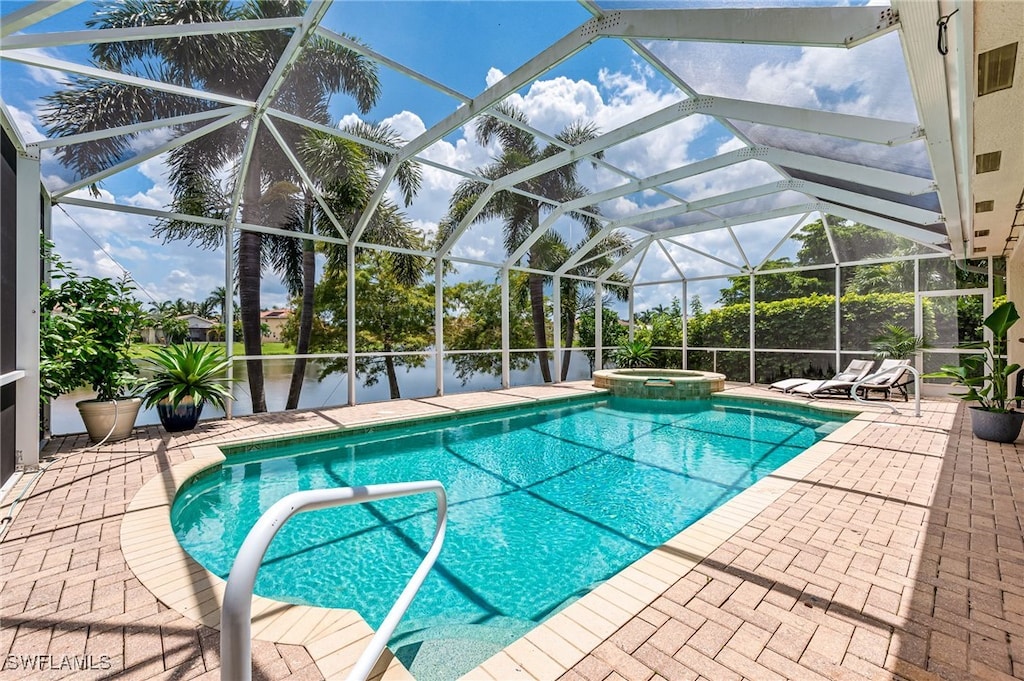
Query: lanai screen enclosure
pixel 450 186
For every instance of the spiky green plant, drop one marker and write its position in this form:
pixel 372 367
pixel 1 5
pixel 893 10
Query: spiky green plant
pixel 188 370
pixel 897 342
pixel 635 354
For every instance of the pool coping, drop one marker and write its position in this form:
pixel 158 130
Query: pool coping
pixel 335 638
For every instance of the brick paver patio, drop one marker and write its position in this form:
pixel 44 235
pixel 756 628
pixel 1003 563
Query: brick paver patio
pixel 902 556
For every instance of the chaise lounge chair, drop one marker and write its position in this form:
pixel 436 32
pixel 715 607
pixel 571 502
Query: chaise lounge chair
pixel 855 370
pixel 888 375
pixel 888 378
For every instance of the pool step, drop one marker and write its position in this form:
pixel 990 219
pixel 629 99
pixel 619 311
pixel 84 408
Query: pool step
pixel 429 651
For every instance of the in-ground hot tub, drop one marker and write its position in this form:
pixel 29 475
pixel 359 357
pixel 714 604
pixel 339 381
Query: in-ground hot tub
pixel 659 384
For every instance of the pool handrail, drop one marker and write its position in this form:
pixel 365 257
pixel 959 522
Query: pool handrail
pixel 236 610
pixel 917 392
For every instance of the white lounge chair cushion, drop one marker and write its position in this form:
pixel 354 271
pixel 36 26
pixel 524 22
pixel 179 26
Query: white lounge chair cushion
pixel 788 384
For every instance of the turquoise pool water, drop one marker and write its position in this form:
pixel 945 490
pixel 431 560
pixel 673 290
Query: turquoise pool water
pixel 543 506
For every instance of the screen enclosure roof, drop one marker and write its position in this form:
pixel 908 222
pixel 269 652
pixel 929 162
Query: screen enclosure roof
pixel 714 131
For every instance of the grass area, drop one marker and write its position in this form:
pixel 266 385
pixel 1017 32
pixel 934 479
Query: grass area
pixel 140 350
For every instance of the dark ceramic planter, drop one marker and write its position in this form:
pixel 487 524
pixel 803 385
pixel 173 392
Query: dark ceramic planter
pixel 184 417
pixel 996 426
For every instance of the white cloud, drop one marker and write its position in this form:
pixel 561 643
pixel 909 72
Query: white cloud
pixel 26 125
pixel 159 195
pixel 406 124
pixel 493 76
pixel 872 76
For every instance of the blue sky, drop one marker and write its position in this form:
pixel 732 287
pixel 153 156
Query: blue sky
pixel 467 46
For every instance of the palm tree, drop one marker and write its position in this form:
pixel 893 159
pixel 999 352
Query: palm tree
pixel 218 299
pixel 347 174
pixel 576 294
pixel 521 214
pixel 235 64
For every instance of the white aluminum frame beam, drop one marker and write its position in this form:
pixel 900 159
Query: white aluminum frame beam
pixel 703 254
pixel 840 125
pixel 689 170
pixel 173 143
pixel 782 241
pixel 32 14
pixel 130 33
pixel 465 99
pixel 293 50
pixel 33 58
pixel 892 208
pixel 556 53
pixel 874 177
pixel 809 26
pixel 928 79
pixel 307 181
pixel 658 119
pixel 853 172
pixel 847 126
pixel 137 210
pixel 106 133
pixel 709 202
pixel 28 220
pixel 922 236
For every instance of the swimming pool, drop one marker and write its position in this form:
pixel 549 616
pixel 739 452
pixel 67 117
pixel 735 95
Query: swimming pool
pixel 544 506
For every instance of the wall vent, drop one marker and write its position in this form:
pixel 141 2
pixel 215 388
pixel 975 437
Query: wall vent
pixel 984 206
pixel 980 233
pixel 989 162
pixel 995 69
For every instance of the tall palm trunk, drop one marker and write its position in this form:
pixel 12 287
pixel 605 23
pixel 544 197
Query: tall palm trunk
pixel 249 269
pixel 569 322
pixel 389 364
pixel 306 310
pixel 536 282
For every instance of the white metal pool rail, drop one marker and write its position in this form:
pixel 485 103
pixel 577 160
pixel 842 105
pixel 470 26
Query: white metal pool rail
pixel 236 612
pixel 917 393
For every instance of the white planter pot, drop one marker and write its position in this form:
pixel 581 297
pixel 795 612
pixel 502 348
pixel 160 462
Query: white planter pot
pixel 115 418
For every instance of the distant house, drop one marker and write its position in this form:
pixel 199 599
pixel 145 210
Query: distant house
pixel 198 327
pixel 198 330
pixel 275 321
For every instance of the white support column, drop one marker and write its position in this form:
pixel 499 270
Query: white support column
pixel 918 311
pixel 686 324
pixel 838 316
pixel 753 340
pixel 350 322
pixel 631 290
pixel 439 326
pixel 1015 293
pixel 556 326
pixel 506 359
pixel 228 313
pixel 48 235
pixel 598 326
pixel 27 311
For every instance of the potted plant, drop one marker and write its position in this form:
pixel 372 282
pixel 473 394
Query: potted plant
pixel 87 325
pixel 986 378
pixel 185 377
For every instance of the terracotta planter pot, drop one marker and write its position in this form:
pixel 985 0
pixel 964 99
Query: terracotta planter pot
pixel 996 426
pixel 115 418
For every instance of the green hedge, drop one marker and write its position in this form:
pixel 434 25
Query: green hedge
pixel 799 324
